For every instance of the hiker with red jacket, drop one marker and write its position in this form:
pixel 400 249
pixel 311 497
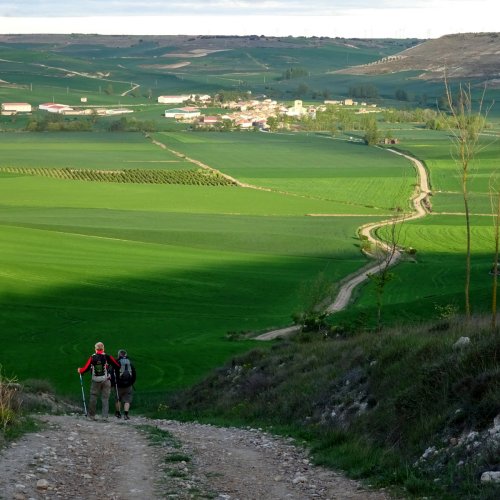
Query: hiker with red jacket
pixel 102 367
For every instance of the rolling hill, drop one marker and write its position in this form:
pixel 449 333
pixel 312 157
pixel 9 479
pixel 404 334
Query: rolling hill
pixel 464 55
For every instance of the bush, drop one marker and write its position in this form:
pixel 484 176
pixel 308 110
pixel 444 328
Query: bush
pixel 9 401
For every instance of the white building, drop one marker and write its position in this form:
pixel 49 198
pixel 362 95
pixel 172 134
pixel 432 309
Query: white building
pixel 182 113
pixel 297 109
pixel 173 99
pixel 11 108
pixel 52 107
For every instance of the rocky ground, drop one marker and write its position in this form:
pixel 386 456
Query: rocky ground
pixel 73 457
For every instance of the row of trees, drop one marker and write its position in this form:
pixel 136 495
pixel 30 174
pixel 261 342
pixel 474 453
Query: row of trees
pixel 57 123
pixel 198 177
pixel 125 124
pixel 291 73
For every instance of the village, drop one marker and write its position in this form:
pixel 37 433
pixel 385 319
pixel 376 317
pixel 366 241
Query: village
pixel 240 114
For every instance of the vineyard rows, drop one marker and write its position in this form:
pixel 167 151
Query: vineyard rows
pixel 132 176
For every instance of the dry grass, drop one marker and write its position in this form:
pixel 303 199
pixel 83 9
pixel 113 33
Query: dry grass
pixel 9 401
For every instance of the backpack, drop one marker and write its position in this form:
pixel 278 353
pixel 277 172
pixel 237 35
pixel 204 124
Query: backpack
pixel 100 368
pixel 125 375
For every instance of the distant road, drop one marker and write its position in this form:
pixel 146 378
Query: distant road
pixel 344 295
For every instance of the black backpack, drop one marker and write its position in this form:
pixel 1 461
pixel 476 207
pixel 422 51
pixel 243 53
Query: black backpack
pixel 100 368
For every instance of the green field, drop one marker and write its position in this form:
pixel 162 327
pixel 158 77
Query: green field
pixel 163 270
pixel 166 271
pixel 435 278
pixel 85 150
pixel 360 178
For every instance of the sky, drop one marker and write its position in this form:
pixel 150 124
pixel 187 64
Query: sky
pixel 332 18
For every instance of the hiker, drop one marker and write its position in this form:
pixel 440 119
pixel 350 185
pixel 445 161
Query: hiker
pixel 101 366
pixel 125 379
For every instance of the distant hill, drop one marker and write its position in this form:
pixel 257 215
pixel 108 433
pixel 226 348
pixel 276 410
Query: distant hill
pixel 213 42
pixel 465 55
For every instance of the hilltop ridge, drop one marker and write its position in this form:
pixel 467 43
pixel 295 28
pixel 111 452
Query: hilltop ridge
pixel 463 55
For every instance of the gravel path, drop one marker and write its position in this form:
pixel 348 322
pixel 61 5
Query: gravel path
pixel 345 292
pixel 75 458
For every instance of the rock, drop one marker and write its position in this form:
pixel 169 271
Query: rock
pixel 428 452
pixel 461 342
pixel 490 477
pixel 496 422
pixel 42 484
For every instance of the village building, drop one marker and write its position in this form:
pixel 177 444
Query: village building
pixel 297 109
pixel 52 107
pixel 209 120
pixel 12 108
pixel 243 123
pixel 203 98
pixel 173 99
pixel 184 113
pixel 114 111
pixel 79 112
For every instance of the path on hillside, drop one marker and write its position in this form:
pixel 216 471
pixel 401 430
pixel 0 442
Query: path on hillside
pixel 344 295
pixel 73 457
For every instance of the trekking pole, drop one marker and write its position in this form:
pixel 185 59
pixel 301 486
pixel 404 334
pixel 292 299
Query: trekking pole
pixel 83 395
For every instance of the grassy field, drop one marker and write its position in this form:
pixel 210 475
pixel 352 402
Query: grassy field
pixel 360 178
pixel 435 279
pixel 85 150
pixel 164 271
pixel 104 72
pixel 168 270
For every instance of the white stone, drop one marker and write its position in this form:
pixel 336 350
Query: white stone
pixel 429 451
pixel 461 342
pixel 490 477
pixel 496 421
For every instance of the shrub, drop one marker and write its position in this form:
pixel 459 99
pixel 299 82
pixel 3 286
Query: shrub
pixel 9 401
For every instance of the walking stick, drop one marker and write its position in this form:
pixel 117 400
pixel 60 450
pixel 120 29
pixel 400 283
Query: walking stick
pixel 83 395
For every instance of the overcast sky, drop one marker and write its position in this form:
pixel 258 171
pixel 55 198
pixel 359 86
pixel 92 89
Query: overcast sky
pixel 344 18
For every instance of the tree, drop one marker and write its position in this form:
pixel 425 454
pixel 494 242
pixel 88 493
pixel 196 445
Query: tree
pixel 387 253
pixel 273 123
pixel 372 135
pixel 465 124
pixel 401 95
pixel 315 298
pixel 302 90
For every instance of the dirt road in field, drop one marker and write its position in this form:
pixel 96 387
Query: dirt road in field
pixel 72 457
pixel 420 202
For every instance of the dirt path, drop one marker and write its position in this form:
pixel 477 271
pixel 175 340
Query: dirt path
pixel 76 458
pixel 345 292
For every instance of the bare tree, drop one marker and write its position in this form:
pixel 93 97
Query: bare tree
pixel 466 122
pixel 388 253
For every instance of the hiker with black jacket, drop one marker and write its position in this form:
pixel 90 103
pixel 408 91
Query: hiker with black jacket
pixel 101 366
pixel 125 379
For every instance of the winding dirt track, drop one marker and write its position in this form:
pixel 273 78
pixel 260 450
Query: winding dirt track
pixel 422 191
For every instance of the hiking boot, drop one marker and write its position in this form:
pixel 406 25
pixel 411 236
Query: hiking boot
pixel 126 417
pixel 118 414
pixel 91 417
